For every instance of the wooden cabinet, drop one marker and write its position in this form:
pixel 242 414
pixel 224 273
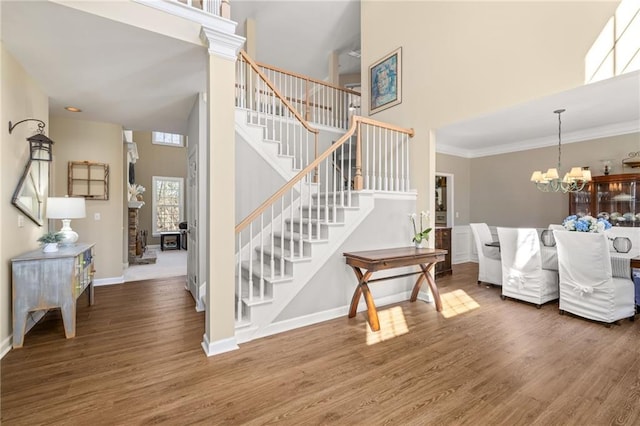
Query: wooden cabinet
pixel 616 195
pixel 43 281
pixel 443 241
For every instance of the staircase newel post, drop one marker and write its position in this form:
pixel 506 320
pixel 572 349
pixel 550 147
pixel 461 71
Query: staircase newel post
pixel 225 9
pixel 357 179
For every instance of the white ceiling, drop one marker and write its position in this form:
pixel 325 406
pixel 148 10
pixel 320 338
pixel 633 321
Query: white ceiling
pixel 114 72
pixel 605 108
pixel 145 81
pixel 300 35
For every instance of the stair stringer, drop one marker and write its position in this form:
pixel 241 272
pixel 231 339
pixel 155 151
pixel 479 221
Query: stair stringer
pixel 262 316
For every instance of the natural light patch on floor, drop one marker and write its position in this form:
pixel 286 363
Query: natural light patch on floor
pixel 392 324
pixel 457 302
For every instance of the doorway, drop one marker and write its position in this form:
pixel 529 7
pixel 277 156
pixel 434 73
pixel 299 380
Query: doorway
pixel 444 200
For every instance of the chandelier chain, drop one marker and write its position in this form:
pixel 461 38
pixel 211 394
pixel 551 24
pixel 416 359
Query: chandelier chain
pixel 559 112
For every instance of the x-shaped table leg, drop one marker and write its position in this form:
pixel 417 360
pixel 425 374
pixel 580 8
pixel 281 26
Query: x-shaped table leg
pixel 363 287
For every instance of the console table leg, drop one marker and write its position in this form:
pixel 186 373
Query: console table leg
pixel 19 326
pixel 432 285
pixel 362 280
pixel 372 313
pixel 69 319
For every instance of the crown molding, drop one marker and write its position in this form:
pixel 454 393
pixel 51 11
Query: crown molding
pixel 222 44
pixel 616 129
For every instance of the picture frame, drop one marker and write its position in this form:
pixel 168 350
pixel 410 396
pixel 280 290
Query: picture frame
pixel 385 82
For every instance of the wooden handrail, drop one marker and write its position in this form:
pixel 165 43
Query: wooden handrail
pixel 255 67
pixel 356 121
pixel 290 99
pixel 367 120
pixel 305 77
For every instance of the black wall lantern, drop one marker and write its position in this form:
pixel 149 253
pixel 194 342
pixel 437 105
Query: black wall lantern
pixel 40 145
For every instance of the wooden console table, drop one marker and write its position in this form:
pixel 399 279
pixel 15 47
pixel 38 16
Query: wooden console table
pixel 378 260
pixel 43 281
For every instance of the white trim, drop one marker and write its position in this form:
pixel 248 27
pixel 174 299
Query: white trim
pixel 450 198
pixel 192 14
pixel 6 346
pixel 525 145
pixel 221 43
pixel 155 140
pixel 154 202
pixel 108 281
pixel 219 346
pixel 342 311
pixel 32 320
pixel 461 244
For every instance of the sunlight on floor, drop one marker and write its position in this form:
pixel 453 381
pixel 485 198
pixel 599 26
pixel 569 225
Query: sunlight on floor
pixel 457 302
pixel 392 324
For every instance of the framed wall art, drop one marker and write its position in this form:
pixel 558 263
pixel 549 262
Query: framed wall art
pixel 385 82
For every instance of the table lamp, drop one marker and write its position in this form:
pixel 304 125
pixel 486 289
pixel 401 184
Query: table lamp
pixel 66 208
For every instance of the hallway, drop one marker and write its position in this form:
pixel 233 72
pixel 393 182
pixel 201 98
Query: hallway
pixel 169 263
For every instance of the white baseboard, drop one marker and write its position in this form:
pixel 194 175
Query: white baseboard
pixel 6 346
pixel 32 320
pixel 108 281
pixel 342 311
pixel 219 346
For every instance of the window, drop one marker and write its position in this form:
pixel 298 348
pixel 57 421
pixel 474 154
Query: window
pixel 167 203
pixel 171 139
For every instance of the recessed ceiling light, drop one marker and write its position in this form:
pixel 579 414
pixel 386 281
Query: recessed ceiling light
pixel 72 109
pixel 356 53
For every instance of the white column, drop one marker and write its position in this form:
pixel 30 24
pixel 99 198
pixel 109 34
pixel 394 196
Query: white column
pixel 219 334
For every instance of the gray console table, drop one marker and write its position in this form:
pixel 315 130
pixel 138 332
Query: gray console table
pixel 43 281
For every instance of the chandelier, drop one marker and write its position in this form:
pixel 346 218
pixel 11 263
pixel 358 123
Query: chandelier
pixel 574 180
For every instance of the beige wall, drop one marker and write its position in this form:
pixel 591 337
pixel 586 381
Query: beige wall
pixel 77 140
pixel 20 98
pixel 156 160
pixel 460 168
pixel 462 59
pixel 500 191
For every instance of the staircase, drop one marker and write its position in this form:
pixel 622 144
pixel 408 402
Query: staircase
pixel 297 245
pixel 290 237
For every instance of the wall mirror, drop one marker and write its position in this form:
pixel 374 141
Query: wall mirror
pixel 30 194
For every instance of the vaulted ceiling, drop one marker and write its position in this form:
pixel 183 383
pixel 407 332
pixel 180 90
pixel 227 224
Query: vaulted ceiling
pixel 122 74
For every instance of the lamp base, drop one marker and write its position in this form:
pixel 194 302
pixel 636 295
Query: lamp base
pixel 69 236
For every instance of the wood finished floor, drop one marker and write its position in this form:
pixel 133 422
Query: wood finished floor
pixel 137 360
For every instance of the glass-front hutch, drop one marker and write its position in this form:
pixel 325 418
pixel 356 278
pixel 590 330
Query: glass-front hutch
pixel 615 197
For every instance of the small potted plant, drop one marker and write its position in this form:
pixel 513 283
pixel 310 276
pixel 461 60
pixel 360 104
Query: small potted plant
pixel 50 241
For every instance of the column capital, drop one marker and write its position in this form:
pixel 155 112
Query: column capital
pixel 222 44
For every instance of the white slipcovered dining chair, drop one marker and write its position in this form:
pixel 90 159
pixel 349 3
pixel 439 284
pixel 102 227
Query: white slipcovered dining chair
pixel 587 287
pixel 523 277
pixel 489 264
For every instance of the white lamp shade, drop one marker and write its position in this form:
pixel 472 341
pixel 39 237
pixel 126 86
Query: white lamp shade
pixel 536 176
pixel 576 172
pixel 552 173
pixel 66 208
